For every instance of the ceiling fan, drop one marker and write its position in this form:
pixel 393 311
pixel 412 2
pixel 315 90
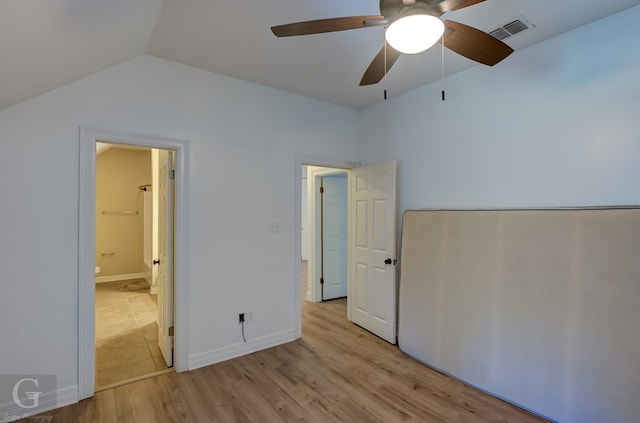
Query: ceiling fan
pixel 413 26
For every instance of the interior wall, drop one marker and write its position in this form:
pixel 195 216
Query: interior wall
pixel 119 173
pixel 553 125
pixel 243 140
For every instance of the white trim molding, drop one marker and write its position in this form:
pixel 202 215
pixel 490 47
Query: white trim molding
pixel 218 355
pixel 86 258
pixel 123 277
pixel 47 401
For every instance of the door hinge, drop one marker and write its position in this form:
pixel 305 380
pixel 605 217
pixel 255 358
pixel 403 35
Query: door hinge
pixel 171 331
pixel 321 190
pixel 172 174
pixel 321 281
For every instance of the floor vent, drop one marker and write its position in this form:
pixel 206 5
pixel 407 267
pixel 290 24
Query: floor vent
pixel 513 27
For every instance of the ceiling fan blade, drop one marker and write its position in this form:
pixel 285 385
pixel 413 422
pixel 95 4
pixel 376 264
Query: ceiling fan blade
pixel 323 25
pixel 447 5
pixel 467 4
pixel 375 72
pixel 474 44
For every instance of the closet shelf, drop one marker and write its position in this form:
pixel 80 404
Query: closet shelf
pixel 119 212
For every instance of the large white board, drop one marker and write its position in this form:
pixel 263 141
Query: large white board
pixel 540 307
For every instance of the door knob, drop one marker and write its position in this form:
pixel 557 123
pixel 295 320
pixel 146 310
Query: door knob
pixel 156 262
pixel 387 261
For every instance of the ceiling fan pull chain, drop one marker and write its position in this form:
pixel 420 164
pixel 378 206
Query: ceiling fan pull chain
pixel 442 44
pixel 385 62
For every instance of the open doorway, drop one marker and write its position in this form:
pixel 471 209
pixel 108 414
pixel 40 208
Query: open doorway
pixel 371 210
pixel 128 245
pixel 304 293
pixel 173 166
pixel 324 233
pixel 131 228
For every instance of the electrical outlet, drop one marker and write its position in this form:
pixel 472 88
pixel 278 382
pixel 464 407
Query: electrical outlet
pixel 248 317
pixel 240 318
pixel 274 227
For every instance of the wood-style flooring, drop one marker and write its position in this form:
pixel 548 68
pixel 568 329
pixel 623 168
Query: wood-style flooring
pixel 126 332
pixel 337 372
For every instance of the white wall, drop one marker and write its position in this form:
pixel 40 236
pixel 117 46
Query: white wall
pixel 120 239
pixel 556 124
pixel 243 139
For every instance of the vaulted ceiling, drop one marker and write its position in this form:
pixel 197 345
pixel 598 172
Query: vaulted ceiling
pixel 47 44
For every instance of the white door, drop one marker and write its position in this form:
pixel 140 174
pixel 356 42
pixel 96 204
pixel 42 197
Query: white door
pixel 165 255
pixel 372 267
pixel 334 236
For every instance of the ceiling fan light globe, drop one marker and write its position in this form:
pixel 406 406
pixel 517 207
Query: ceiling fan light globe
pixel 414 34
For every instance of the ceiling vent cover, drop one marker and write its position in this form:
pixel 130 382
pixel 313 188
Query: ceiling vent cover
pixel 513 27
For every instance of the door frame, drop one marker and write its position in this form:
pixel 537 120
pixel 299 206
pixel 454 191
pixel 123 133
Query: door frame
pixel 301 160
pixel 315 221
pixel 86 252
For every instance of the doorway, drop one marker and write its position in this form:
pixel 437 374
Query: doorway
pixel 324 234
pixel 130 225
pixel 302 236
pixel 371 287
pixel 172 264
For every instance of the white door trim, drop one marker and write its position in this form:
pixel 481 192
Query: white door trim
pixel 86 241
pixel 311 161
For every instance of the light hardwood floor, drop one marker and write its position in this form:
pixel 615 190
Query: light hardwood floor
pixel 337 372
pixel 126 332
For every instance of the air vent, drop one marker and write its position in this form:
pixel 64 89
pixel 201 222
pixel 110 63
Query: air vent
pixel 513 27
pixel 500 34
pixel 516 26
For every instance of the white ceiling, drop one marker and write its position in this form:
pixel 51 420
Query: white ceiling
pixel 47 44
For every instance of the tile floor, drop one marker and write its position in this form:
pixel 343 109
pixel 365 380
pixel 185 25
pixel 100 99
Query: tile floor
pixel 126 332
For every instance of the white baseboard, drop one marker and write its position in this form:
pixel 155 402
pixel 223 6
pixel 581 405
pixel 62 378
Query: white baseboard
pixel 124 277
pixel 239 349
pixel 48 401
pixel 70 395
